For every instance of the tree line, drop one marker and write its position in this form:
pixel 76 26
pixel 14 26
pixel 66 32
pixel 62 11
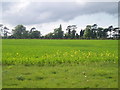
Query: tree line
pixel 90 32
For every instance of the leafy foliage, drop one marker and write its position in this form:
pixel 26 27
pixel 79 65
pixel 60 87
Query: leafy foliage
pixel 90 32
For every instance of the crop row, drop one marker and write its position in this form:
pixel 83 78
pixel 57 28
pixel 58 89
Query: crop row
pixel 59 57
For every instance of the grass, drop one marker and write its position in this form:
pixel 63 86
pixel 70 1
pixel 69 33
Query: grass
pixel 60 63
pixel 100 75
pixel 54 52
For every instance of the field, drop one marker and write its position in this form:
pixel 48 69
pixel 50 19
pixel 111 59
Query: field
pixel 60 63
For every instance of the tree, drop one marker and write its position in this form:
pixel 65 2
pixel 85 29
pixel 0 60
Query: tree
pixel 81 33
pixel 73 34
pixel 73 27
pixel 66 36
pixel 34 34
pixel 25 35
pixel 94 31
pixel 1 29
pixel 77 36
pixel 99 32
pixel 71 31
pixel 94 26
pixel 90 32
pixel 19 31
pixel 105 35
pixel 49 36
pixel 32 29
pixel 87 33
pixel 110 28
pixel 58 33
pixel 6 32
pixel 116 33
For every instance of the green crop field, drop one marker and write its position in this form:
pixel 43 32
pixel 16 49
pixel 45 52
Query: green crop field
pixel 35 63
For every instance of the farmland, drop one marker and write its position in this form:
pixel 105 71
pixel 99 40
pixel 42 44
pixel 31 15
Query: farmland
pixel 60 63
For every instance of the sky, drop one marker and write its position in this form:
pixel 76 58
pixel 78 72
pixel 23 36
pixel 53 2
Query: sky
pixel 45 16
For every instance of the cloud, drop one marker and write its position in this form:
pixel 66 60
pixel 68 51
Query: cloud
pixel 29 13
pixel 80 21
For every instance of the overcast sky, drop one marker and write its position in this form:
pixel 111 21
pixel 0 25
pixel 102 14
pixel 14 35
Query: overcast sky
pixel 46 16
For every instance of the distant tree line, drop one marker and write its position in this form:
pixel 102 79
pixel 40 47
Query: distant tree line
pixel 90 32
pixel 20 32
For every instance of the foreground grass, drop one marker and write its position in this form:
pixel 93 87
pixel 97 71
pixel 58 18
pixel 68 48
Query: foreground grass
pixel 91 75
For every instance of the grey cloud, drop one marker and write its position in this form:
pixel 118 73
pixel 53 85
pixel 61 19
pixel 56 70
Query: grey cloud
pixel 43 12
pixel 6 5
